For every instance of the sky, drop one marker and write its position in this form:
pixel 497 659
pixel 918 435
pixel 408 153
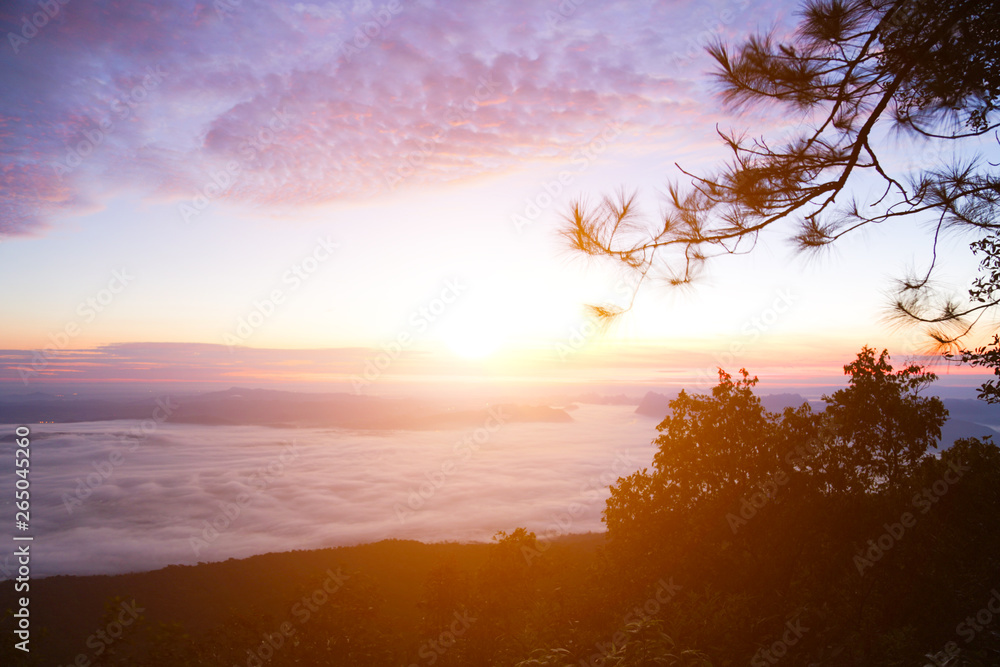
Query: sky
pixel 233 191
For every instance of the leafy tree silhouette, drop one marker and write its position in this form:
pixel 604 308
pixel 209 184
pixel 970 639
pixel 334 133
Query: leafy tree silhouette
pixel 715 448
pixel 824 487
pixel 880 425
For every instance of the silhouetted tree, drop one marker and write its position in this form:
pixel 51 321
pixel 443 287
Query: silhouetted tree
pixel 853 72
pixel 765 519
pixel 880 425
pixel 985 291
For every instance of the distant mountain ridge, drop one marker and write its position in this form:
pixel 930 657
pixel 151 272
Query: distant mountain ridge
pixel 967 418
pixel 267 407
pixel 657 405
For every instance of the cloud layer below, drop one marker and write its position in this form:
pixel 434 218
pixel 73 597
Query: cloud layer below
pixel 108 499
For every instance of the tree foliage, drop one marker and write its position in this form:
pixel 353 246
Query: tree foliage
pixel 855 73
pixel 796 520
pixel 985 291
pixel 722 446
pixel 881 425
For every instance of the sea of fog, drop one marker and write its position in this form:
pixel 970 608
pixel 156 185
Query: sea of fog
pixel 107 498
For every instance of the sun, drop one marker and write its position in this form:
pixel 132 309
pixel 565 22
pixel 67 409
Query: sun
pixel 473 338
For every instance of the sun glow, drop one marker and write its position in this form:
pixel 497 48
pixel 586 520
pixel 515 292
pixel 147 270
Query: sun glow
pixel 475 336
pixel 474 340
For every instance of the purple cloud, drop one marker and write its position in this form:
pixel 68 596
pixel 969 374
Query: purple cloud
pixel 284 104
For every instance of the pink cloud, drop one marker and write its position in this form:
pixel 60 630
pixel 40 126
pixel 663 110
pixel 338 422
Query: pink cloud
pixel 304 103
